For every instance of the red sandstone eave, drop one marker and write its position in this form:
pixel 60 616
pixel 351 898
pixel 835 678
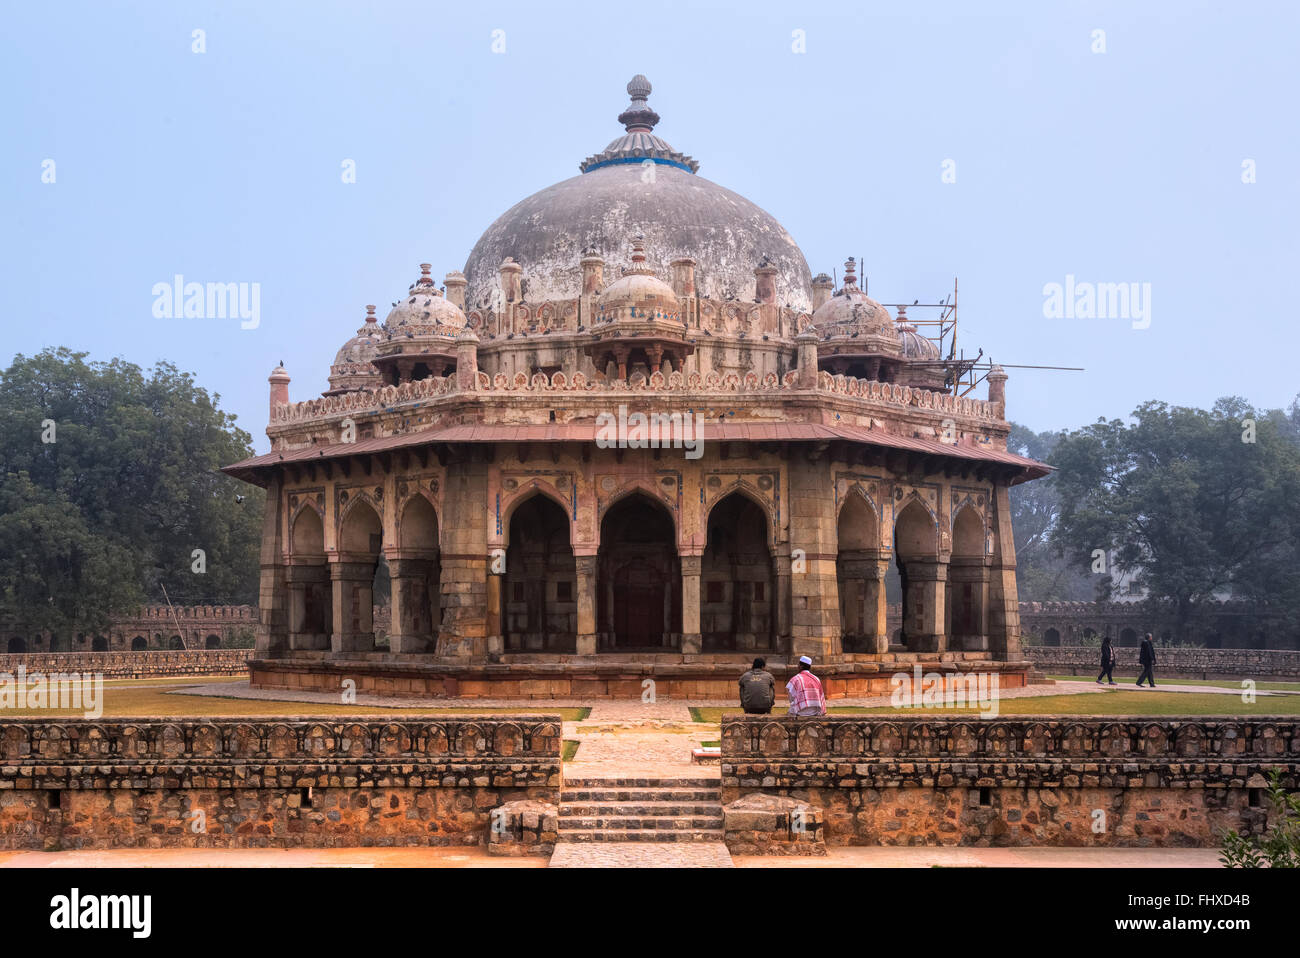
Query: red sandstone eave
pixel 257 469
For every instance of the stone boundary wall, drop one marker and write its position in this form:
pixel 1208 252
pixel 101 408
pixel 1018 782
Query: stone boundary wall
pixel 152 627
pixel 1186 662
pixel 231 782
pixel 1113 781
pixel 134 665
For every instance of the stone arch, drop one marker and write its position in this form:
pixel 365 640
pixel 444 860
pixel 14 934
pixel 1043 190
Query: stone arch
pixel 916 551
pixel 860 568
pixel 968 582
pixel 755 496
pixel 415 569
pixel 355 574
pixel 647 489
pixel 539 588
pixel 176 642
pixel 16 645
pixel 99 644
pixel 361 528
pixel 139 643
pixel 520 497
pixel 638 575
pixel 212 642
pixel 1052 637
pixel 737 578
pixel 1128 638
pixel 307 532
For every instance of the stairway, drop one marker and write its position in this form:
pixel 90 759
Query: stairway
pixel 679 809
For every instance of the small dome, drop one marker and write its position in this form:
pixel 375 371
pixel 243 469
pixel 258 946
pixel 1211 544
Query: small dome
pixel 352 368
pixel 424 309
pixel 638 294
pixel 915 346
pixel 852 312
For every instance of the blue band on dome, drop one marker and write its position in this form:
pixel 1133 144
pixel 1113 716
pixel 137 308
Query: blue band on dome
pixel 638 159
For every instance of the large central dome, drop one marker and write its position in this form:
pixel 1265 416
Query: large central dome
pixel 638 186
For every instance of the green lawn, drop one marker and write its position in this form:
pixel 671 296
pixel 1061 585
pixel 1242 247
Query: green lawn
pixel 570 750
pixel 1085 703
pixel 1221 683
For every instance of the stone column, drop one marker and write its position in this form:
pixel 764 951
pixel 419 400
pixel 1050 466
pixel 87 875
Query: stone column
pixel 353 605
pixel 308 587
pixel 878 607
pixel 496 639
pixel 273 591
pixel 462 631
pixel 925 605
pixel 586 602
pixel 969 572
pixel 781 603
pixel 412 621
pixel 814 591
pixel 856 570
pixel 692 642
pixel 1003 618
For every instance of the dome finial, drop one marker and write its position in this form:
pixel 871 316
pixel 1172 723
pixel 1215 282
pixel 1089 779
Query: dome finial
pixel 638 117
pixel 850 272
pixel 370 316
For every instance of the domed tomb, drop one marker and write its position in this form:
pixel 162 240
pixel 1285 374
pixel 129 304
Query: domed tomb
pixel 637 185
pixel 420 334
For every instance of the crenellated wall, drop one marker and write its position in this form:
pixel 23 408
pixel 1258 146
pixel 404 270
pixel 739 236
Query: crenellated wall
pixel 1121 780
pixel 228 782
pixel 1174 661
pixel 152 627
pixel 133 665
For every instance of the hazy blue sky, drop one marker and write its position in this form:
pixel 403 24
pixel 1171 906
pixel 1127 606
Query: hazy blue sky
pixel 1122 166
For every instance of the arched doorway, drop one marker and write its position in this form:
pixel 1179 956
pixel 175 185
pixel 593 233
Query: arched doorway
pixel 99 644
pixel 361 540
pixel 139 644
pixel 1052 637
pixel 916 550
pixel 860 568
pixel 175 642
pixel 736 578
pixel 58 643
pixel 416 580
pixel 638 578
pixel 212 642
pixel 539 608
pixel 967 584
pixel 16 644
pixel 307 576
pixel 1128 638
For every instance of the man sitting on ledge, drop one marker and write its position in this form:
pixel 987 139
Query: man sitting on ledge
pixel 757 689
pixel 805 689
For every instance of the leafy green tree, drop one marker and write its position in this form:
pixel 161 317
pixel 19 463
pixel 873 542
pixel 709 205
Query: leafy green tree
pixel 130 460
pixel 1042 570
pixel 1202 503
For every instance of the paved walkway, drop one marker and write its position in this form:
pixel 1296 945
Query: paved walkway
pixel 641 855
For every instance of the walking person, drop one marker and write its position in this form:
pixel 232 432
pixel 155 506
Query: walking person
pixel 757 690
pixel 1147 658
pixel 1107 662
pixel 805 690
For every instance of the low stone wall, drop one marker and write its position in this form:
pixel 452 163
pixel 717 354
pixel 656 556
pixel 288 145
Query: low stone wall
pixel 1122 781
pixel 553 676
pixel 293 782
pixel 1179 662
pixel 133 665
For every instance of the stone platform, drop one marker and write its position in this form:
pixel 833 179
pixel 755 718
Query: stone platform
pixel 608 676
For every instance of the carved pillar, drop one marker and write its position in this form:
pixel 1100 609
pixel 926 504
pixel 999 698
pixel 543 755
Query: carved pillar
pixel 353 605
pixel 1003 617
pixel 968 583
pixel 273 592
pixel 814 592
pixel 855 570
pixel 412 623
pixel 925 605
pixel 781 603
pixel 496 641
pixel 586 586
pixel 878 607
pixel 309 605
pixel 692 643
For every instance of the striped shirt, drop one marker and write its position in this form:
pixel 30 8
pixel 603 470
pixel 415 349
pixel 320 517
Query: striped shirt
pixel 806 697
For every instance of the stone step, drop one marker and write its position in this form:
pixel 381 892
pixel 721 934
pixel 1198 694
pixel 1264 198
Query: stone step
pixel 652 808
pixel 682 823
pixel 685 782
pixel 641 795
pixel 655 835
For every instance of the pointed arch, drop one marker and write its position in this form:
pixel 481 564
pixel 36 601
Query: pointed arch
pixel 638 594
pixel 737 580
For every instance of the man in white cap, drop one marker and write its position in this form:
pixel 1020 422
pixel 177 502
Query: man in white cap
pixel 805 690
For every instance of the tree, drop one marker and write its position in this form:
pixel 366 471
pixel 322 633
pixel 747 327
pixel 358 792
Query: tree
pixel 1042 571
pixel 130 461
pixel 1202 503
pixel 1280 848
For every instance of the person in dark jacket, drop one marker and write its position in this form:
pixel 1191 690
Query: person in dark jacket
pixel 1107 662
pixel 1147 658
pixel 757 690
